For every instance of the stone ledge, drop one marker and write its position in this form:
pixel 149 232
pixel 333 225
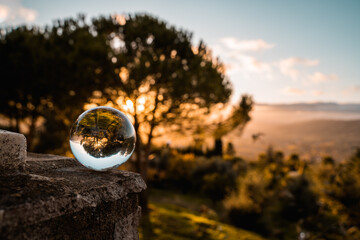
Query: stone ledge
pixel 56 198
pixel 12 150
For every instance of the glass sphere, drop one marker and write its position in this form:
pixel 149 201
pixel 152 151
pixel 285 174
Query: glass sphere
pixel 102 138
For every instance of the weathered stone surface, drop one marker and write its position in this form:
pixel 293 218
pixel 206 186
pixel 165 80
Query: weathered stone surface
pixel 12 150
pixel 57 198
pixel 128 233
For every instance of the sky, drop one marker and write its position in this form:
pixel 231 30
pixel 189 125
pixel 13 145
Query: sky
pixel 278 51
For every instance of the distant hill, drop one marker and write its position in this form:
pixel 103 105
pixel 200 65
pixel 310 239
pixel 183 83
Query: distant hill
pixel 311 130
pixel 321 129
pixel 321 106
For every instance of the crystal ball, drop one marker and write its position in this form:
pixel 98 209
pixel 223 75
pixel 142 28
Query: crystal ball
pixel 102 138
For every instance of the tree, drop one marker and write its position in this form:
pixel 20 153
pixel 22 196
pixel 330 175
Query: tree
pixel 18 67
pixel 50 73
pixel 238 118
pixel 159 75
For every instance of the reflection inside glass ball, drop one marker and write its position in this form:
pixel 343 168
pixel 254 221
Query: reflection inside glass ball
pixel 102 138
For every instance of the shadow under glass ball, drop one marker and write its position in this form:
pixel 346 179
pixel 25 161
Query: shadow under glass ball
pixel 102 138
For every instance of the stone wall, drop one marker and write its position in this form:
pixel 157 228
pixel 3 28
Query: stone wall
pixel 54 197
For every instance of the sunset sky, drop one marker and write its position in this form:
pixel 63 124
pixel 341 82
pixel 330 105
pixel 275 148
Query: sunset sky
pixel 278 51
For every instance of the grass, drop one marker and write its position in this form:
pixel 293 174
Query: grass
pixel 174 216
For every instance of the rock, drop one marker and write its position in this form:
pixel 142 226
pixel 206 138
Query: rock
pixel 12 150
pixel 57 198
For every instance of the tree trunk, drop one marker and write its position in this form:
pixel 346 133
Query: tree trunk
pixel 144 202
pixel 144 196
pixel 137 145
pixel 218 148
pixel 141 167
pixel 31 135
pixel 17 122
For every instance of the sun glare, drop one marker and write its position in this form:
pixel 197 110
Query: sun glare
pixel 89 106
pixel 142 100
pixel 120 19
pixel 129 104
pixel 124 74
pixel 140 108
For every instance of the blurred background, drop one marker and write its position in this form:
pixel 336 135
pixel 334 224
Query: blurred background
pixel 247 113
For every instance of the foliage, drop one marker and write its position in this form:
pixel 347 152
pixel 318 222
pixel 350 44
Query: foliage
pixel 279 197
pixel 167 220
pixel 238 118
pixel 213 178
pixel 50 71
pixel 339 191
pixel 285 198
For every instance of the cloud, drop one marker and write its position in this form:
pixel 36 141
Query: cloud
pixel 238 57
pixel 13 13
pixel 288 66
pixel 292 91
pixel 352 90
pixel 252 64
pixel 246 45
pixel 356 88
pixel 4 12
pixel 249 69
pixel 319 77
pixel 27 14
pixel 317 93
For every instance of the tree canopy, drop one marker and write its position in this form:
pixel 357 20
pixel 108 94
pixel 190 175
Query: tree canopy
pixel 50 72
pixel 137 63
pixel 138 58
